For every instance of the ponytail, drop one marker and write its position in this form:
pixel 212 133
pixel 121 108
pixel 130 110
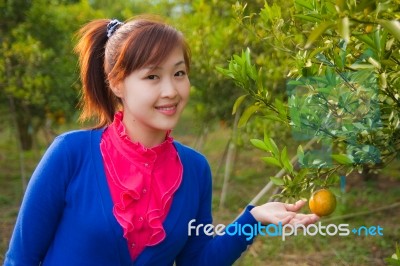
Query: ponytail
pixel 97 99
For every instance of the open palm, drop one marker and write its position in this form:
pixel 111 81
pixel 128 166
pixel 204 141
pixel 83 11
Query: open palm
pixel 275 212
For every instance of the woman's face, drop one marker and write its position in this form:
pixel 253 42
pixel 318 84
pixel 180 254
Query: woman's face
pixel 154 97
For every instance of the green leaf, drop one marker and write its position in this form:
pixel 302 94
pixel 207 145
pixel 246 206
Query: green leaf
pixel 341 4
pixel 343 27
pixel 259 144
pixel 273 117
pixel 238 102
pixel 393 26
pixel 309 18
pixel 342 159
pixel 249 69
pixel 322 58
pixel 332 179
pixel 285 161
pixel 272 160
pixel 318 31
pixel 260 82
pixel 330 76
pixel 295 82
pixel 277 181
pixel 247 114
pixel 367 40
pixel 280 107
pixel 305 4
pixel 270 13
pixel 300 154
pixel 300 175
pixel 271 143
pixel 317 51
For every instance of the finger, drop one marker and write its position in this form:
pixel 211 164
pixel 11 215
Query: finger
pixel 308 221
pixel 284 214
pixel 305 219
pixel 283 220
pixel 313 218
pixel 295 207
pixel 301 215
pixel 299 219
pixel 286 220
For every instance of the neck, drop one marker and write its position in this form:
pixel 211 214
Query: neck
pixel 147 140
pixel 147 137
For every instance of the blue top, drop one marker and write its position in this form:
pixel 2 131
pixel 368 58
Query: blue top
pixel 66 216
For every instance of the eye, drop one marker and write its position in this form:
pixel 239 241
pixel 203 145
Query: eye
pixel 180 73
pixel 152 77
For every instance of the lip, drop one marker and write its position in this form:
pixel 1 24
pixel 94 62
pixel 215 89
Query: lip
pixel 167 109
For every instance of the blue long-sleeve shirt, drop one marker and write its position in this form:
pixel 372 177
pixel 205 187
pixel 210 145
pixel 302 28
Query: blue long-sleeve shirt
pixel 66 216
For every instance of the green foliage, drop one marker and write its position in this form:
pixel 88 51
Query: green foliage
pixel 296 183
pixel 213 36
pixel 394 259
pixel 342 79
pixel 38 69
pixel 246 76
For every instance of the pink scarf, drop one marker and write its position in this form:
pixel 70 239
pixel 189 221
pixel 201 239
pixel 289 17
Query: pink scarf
pixel 142 183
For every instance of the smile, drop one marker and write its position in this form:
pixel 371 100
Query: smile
pixel 167 109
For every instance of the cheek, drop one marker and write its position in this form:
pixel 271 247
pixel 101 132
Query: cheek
pixel 185 92
pixel 132 100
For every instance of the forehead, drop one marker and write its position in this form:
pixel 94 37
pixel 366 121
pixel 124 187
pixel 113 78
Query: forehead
pixel 174 57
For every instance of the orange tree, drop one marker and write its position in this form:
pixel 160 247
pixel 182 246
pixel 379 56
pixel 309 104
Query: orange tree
pixel 213 35
pixel 38 78
pixel 342 79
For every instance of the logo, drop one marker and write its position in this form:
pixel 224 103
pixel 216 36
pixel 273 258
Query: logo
pixel 252 230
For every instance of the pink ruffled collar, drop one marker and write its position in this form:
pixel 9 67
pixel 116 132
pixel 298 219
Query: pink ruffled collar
pixel 142 182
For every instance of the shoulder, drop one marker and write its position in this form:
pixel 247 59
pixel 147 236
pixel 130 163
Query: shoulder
pixel 78 136
pixel 76 142
pixel 73 149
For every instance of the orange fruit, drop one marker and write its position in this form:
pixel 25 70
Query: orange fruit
pixel 368 28
pixel 322 202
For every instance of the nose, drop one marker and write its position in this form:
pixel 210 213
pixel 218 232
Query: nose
pixel 169 89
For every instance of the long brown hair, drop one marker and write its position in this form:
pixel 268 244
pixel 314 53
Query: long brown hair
pixel 105 61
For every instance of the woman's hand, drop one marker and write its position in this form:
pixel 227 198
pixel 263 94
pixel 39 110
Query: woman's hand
pixel 275 212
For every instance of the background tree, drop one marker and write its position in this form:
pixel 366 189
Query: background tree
pixel 342 87
pixel 38 73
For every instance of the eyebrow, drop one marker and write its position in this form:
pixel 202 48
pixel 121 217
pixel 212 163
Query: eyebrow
pixel 180 63
pixel 157 67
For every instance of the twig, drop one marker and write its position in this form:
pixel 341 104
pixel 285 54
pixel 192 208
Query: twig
pixel 229 163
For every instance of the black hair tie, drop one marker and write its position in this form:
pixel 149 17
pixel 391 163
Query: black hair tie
pixel 113 26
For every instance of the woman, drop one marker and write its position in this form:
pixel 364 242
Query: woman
pixel 124 192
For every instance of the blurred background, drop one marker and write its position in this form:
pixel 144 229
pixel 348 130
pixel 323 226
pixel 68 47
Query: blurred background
pixel 40 90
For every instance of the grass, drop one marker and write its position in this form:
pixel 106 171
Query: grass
pixel 248 178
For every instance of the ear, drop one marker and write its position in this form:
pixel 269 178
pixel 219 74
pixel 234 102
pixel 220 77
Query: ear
pixel 117 89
